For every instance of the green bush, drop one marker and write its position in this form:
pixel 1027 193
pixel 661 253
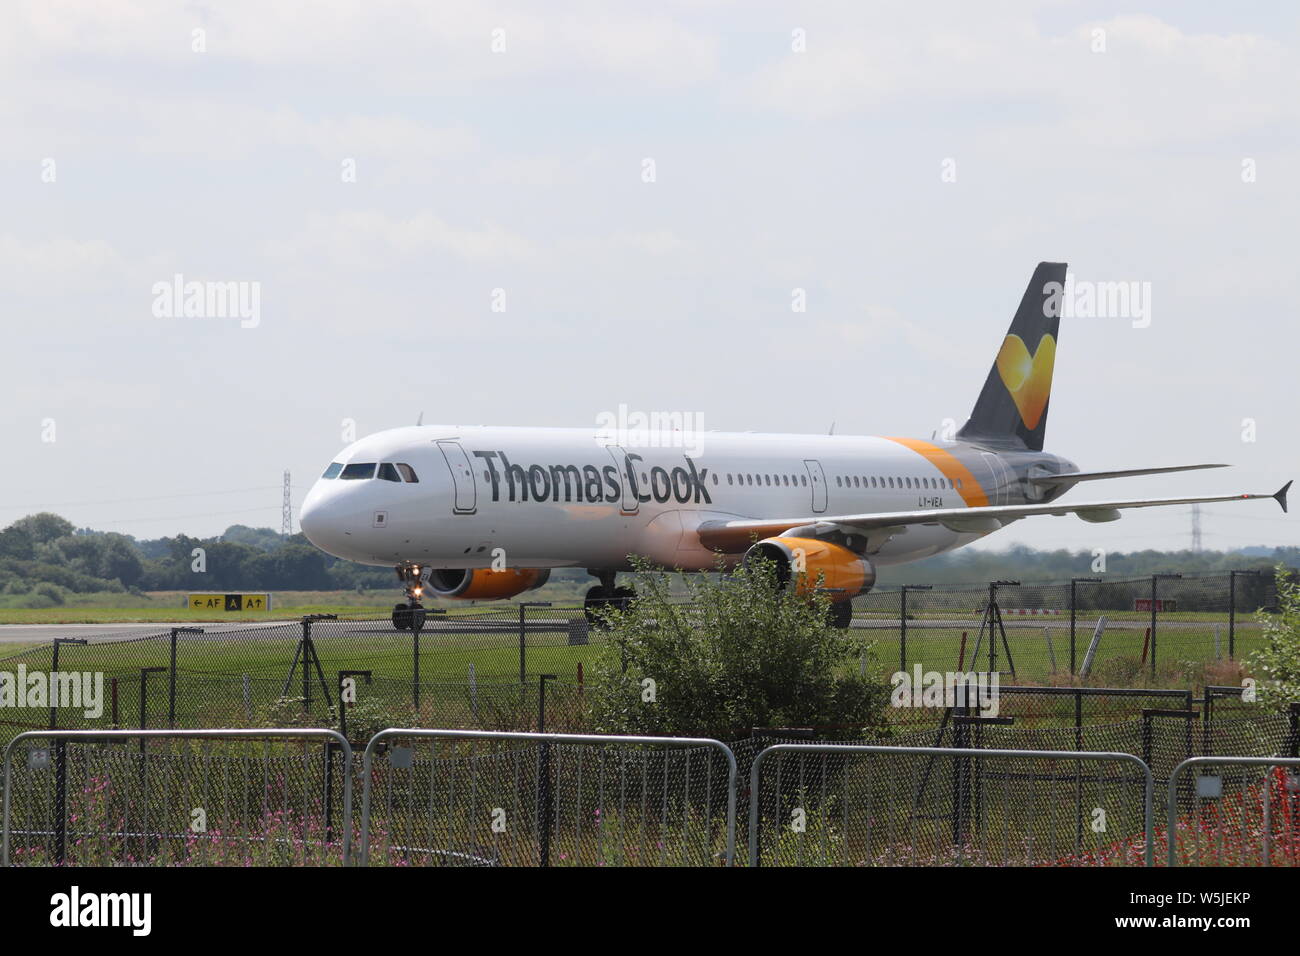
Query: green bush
pixel 742 654
pixel 51 592
pixel 1277 664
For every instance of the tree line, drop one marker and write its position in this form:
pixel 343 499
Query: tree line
pixel 45 553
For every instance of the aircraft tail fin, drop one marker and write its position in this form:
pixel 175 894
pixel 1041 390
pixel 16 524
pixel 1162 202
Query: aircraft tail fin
pixel 1012 407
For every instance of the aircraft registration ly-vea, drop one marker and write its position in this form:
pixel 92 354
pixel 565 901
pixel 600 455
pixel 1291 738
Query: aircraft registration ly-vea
pixel 482 512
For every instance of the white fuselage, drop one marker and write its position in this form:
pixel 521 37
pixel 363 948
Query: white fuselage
pixel 560 497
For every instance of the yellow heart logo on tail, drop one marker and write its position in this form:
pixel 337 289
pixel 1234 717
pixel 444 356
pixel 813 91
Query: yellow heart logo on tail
pixel 1027 379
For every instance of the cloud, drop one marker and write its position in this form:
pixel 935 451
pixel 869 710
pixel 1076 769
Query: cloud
pixel 1154 83
pixel 371 239
pixel 391 42
pixel 38 263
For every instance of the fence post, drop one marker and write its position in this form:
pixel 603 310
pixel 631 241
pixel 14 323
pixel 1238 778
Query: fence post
pixel 902 630
pixel 1073 604
pixel 902 619
pixel 1294 732
pixel 1154 579
pixel 543 776
pixel 306 680
pixel 1232 611
pixel 60 760
pixel 1232 615
pixel 523 643
pixel 959 742
pixel 415 669
pixel 171 676
pixel 171 684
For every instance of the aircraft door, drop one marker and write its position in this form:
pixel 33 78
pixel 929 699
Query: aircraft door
pixel 817 482
pixel 1001 479
pixel 462 477
pixel 626 479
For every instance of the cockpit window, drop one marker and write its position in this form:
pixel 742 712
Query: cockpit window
pixel 333 470
pixel 358 469
pixel 408 473
pixel 387 472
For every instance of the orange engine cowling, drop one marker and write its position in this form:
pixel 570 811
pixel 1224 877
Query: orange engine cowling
pixel 484 584
pixel 810 564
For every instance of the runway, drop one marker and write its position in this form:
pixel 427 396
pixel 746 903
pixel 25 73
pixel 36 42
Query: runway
pixel 44 633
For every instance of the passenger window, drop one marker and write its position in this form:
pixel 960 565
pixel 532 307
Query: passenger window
pixel 387 472
pixel 803 480
pixel 358 470
pixel 729 481
pixel 333 470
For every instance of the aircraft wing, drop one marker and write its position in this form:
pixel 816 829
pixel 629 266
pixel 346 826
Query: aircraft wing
pixel 732 536
pixel 1072 477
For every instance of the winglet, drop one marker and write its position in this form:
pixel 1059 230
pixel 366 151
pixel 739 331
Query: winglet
pixel 1281 496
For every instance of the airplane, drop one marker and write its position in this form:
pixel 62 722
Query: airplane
pixel 481 512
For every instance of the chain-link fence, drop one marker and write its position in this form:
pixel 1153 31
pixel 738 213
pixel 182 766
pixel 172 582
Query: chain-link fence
pixel 1233 811
pixel 1110 630
pixel 467 798
pixel 478 671
pixel 828 804
pixel 187 797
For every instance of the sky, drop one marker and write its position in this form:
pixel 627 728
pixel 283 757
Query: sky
pixel 533 214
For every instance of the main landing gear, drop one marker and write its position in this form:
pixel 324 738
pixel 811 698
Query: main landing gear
pixel 841 614
pixel 604 595
pixel 410 615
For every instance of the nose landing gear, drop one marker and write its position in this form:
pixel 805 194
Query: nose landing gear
pixel 410 615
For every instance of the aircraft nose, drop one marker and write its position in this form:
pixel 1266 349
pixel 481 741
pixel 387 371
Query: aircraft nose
pixel 316 521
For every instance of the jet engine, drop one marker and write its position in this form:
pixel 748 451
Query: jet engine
pixel 811 564
pixel 485 584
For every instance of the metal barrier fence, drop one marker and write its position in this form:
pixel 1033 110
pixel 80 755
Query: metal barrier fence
pixel 576 799
pixel 84 801
pixel 1237 818
pixel 948 805
pixel 118 797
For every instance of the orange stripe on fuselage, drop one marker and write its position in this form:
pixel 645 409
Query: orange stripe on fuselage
pixel 952 469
